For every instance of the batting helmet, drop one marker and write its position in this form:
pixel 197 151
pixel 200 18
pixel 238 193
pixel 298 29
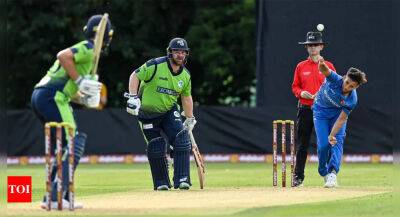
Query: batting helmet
pixel 177 44
pixel 91 28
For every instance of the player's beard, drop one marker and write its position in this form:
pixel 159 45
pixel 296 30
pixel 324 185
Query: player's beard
pixel 180 63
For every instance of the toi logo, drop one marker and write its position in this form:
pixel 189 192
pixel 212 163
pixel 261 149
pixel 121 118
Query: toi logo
pixel 19 189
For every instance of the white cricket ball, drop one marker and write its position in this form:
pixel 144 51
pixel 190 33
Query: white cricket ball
pixel 320 27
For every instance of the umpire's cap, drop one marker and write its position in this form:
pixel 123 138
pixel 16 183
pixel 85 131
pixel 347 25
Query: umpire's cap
pixel 314 38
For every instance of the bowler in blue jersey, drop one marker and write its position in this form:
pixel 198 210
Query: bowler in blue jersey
pixel 333 104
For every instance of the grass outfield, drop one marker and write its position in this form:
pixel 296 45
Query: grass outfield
pixel 242 189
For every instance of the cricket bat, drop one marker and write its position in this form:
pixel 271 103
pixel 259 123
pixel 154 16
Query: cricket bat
pixel 98 42
pixel 198 159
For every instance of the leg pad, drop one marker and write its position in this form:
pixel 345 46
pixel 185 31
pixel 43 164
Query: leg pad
pixel 157 155
pixel 182 147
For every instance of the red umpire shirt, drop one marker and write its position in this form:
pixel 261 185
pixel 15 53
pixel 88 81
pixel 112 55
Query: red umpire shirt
pixel 307 77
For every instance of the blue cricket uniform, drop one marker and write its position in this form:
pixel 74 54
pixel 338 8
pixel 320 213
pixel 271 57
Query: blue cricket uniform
pixel 328 105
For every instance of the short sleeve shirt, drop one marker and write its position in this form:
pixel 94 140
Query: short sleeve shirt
pixel 160 88
pixel 57 78
pixel 330 100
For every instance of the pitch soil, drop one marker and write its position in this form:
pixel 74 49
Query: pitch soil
pixel 226 201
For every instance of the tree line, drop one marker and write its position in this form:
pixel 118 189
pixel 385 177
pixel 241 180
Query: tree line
pixel 220 34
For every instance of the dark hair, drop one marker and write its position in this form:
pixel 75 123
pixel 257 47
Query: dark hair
pixel 357 75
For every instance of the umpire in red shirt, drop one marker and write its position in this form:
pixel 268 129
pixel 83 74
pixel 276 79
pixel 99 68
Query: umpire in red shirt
pixel 306 83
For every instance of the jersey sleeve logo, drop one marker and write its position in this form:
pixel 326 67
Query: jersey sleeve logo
pixel 180 83
pixel 306 73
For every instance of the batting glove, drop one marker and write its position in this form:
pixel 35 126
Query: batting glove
pixel 133 105
pixel 189 123
pixel 88 86
pixel 91 101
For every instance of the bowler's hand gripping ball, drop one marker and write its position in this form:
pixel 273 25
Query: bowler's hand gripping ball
pixel 320 27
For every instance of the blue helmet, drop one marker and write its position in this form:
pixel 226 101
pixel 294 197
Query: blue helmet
pixel 90 29
pixel 177 44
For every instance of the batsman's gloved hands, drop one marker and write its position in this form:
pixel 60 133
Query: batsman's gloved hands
pixel 88 86
pixel 189 123
pixel 133 104
pixel 90 101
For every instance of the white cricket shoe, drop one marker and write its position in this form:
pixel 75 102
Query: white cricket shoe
pixel 184 186
pixel 162 188
pixel 330 180
pixel 65 205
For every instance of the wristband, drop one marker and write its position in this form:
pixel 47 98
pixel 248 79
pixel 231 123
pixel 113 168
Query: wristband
pixel 132 95
pixel 78 80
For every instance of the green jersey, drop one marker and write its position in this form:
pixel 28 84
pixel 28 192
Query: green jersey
pixel 160 87
pixel 57 78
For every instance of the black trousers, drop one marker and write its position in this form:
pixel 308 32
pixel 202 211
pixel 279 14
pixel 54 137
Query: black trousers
pixel 305 127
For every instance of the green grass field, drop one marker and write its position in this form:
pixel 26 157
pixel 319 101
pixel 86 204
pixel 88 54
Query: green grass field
pixel 242 189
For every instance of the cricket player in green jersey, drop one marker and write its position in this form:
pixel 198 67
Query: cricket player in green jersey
pixel 154 89
pixel 69 79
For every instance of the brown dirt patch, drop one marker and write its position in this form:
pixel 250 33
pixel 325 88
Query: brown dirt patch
pixel 208 201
